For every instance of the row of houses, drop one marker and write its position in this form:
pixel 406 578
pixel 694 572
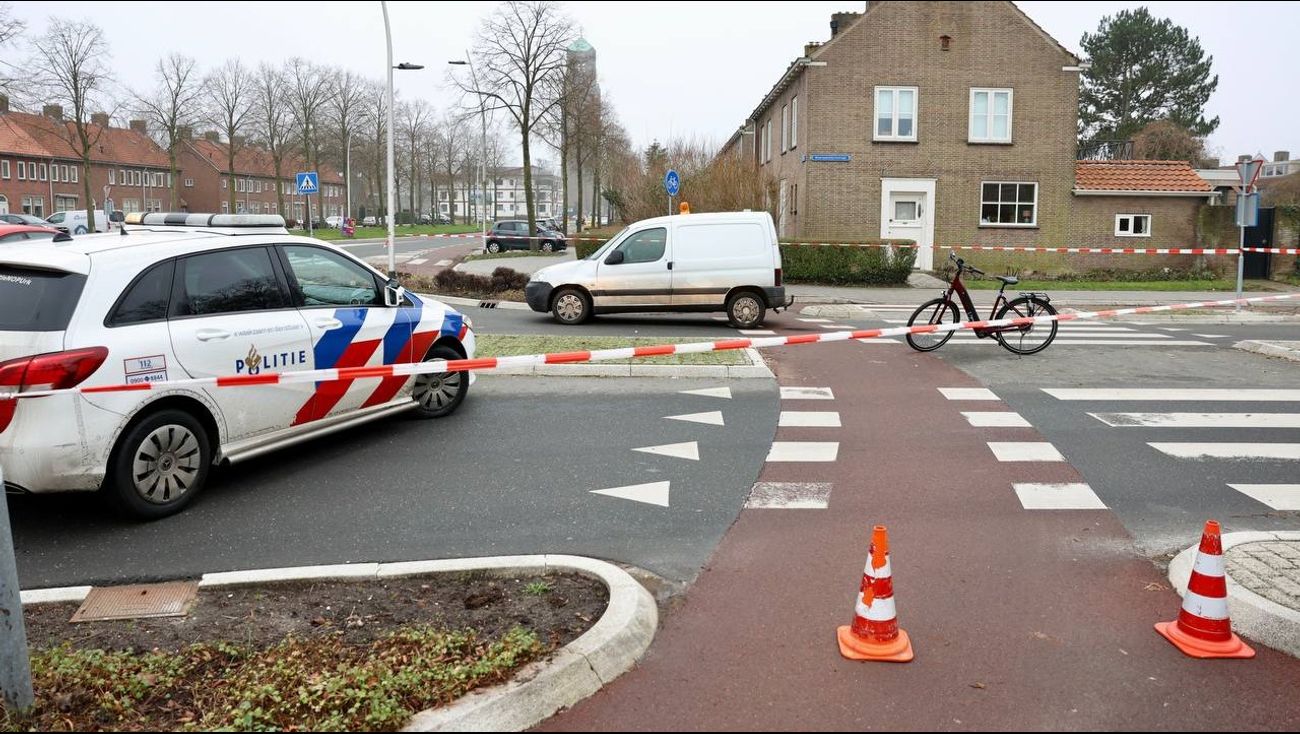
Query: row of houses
pixel 954 123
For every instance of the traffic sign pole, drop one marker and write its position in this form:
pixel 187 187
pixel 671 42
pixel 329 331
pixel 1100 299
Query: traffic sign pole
pixel 672 184
pixel 15 668
pixel 1248 171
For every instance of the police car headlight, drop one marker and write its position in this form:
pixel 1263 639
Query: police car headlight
pixel 469 323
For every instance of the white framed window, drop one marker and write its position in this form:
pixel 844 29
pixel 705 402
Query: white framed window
pixel 34 205
pixel 64 203
pixel 990 116
pixel 136 178
pixel 67 173
pixel 767 147
pixel 224 183
pixel 42 173
pixel 896 113
pixel 1008 204
pixel 54 175
pixel 1132 225
pixel 4 169
pixel 159 180
pixel 794 123
pixel 130 205
pixel 74 173
pixel 189 183
pixel 785 128
pixel 225 207
pixel 112 177
pixel 22 171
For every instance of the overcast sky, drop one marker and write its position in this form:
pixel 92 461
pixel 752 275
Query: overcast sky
pixel 672 68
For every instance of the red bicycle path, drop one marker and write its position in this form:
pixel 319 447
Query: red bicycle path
pixel 1020 619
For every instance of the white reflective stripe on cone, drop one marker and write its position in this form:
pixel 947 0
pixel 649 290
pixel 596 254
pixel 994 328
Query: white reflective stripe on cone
pixel 1209 565
pixel 878 573
pixel 881 610
pixel 1205 607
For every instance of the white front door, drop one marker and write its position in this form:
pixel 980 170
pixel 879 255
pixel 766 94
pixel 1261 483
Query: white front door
pixel 906 212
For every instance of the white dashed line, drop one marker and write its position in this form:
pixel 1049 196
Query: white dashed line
pixel 807 393
pixel 711 418
pixel 654 493
pixel 757 332
pixel 997 419
pixel 1058 497
pixel 804 451
pixel 1284 451
pixel 689 450
pixel 443 263
pixel 877 341
pixel 809 419
pixel 1210 336
pixel 1277 496
pixel 968 393
pixel 417 261
pixel 1200 420
pixel 1120 395
pixel 709 392
pixel 789 496
pixel 816 321
pixel 1007 451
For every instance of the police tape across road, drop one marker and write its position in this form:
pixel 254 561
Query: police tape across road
pixel 601 355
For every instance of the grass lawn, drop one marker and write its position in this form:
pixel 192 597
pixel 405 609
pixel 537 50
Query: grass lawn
pixel 496 345
pixel 510 254
pixel 1118 285
pixel 366 233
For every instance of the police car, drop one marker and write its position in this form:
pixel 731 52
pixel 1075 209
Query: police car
pixel 177 296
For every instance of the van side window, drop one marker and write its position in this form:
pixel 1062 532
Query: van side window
pixel 644 247
pixel 147 298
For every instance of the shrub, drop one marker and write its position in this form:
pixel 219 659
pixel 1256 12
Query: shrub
pixel 848 264
pixel 505 279
pixel 503 282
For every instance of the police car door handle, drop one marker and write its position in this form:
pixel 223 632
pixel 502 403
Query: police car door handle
pixel 328 324
pixel 212 335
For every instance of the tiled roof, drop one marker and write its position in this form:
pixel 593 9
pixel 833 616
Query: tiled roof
pixel 1155 176
pixel 35 135
pixel 250 160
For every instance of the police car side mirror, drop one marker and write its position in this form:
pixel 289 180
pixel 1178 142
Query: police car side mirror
pixel 615 258
pixel 394 293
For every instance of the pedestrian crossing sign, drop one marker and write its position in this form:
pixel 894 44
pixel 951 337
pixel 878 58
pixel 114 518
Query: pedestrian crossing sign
pixel 307 183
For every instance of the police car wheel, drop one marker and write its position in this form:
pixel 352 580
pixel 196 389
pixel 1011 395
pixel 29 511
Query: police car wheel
pixel 159 464
pixel 438 395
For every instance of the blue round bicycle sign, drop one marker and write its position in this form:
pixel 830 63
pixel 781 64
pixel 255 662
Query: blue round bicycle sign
pixel 672 182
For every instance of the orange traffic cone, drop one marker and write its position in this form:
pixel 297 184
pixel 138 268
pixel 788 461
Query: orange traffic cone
pixel 1203 629
pixel 874 634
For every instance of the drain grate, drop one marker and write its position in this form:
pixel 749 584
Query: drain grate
pixel 173 599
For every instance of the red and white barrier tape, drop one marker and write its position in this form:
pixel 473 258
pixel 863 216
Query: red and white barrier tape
pixel 601 355
pixel 1274 250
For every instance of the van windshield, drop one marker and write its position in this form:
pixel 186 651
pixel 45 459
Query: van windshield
pixel 56 218
pixel 37 300
pixel 599 253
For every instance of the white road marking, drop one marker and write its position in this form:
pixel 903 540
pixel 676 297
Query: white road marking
pixel 789 496
pixel 804 451
pixel 443 263
pixel 709 392
pixel 1025 451
pixel 878 340
pixel 996 419
pixel 689 450
pixel 1166 328
pixel 417 261
pixel 807 393
pixel 1058 497
pixel 1200 420
pixel 1286 451
pixel 837 327
pixel 968 393
pixel 809 419
pixel 757 332
pixel 654 493
pixel 1066 342
pixel 1210 336
pixel 1111 394
pixel 711 418
pixel 719 318
pixel 1277 496
pixel 816 321
pixel 895 321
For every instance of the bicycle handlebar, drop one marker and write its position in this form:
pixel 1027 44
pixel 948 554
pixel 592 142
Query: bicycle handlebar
pixel 961 265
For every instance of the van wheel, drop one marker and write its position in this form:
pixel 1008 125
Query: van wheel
pixel 745 310
pixel 81 229
pixel 493 247
pixel 159 464
pixel 439 395
pixel 571 306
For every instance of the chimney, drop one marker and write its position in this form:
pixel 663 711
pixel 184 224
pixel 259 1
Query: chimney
pixel 212 136
pixel 100 118
pixel 138 126
pixel 184 132
pixel 841 21
pixel 4 103
pixel 810 47
pixel 1282 156
pixel 53 111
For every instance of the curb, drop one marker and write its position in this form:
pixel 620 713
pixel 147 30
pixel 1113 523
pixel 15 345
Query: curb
pixel 1268 349
pixel 538 690
pixel 458 301
pixel 757 369
pixel 1253 616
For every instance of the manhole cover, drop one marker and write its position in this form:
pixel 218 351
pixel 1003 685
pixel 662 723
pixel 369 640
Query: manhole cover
pixel 172 599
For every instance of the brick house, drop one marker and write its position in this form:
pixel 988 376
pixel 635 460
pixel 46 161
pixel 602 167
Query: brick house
pixel 41 173
pixel 948 123
pixel 207 181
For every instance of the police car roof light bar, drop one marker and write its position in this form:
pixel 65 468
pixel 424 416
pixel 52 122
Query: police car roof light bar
pixel 185 219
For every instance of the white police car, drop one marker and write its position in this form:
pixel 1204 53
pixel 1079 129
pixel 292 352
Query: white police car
pixel 199 295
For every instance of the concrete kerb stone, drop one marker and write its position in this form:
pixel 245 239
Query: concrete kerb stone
pixel 1253 616
pixel 756 369
pixel 1282 350
pixel 610 648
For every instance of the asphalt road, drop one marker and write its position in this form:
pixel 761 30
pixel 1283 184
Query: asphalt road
pixel 512 472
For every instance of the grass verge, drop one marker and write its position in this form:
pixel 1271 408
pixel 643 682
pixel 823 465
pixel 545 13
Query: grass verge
pixel 365 233
pixel 505 345
pixel 1221 284
pixel 317 684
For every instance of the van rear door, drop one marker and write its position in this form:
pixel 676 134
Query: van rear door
pixel 711 258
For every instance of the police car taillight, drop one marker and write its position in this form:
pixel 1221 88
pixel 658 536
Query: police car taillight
pixel 55 371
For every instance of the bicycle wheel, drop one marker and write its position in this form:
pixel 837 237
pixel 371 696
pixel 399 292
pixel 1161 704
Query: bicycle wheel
pixel 1033 338
pixel 937 311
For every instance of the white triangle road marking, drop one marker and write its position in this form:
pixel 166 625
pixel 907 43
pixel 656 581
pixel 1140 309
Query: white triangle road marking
pixel 709 392
pixel 689 450
pixel 653 493
pixel 711 418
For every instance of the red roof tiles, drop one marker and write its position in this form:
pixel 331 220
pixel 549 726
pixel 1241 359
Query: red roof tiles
pixel 250 160
pixel 38 136
pixel 1144 176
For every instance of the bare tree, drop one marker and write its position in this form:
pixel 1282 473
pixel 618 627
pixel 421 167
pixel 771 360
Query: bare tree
pixel 376 125
pixel 271 120
pixel 10 28
pixel 229 92
pixel 310 88
pixel 171 107
pixel 450 153
pixel 519 54
pixel 345 112
pixel 415 118
pixel 70 69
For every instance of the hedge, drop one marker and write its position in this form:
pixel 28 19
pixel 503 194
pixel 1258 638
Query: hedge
pixel 853 263
pixel 857 263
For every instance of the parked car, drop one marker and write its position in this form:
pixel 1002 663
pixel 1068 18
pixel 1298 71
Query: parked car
pixel 213 296
pixel 441 219
pixel 77 221
pixel 513 235
pixel 334 222
pixel 728 262
pixel 27 219
pixel 369 222
pixel 11 233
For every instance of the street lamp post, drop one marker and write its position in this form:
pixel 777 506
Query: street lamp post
pixel 404 66
pixel 482 113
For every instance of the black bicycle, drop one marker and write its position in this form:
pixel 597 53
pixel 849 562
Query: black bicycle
pixel 1020 339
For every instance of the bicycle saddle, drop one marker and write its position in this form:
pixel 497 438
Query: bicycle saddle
pixel 1008 279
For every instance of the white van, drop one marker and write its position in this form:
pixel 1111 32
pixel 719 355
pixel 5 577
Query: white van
pixel 76 221
pixel 728 261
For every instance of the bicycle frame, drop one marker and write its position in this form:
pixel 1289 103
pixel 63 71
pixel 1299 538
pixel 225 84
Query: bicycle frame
pixel 956 286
